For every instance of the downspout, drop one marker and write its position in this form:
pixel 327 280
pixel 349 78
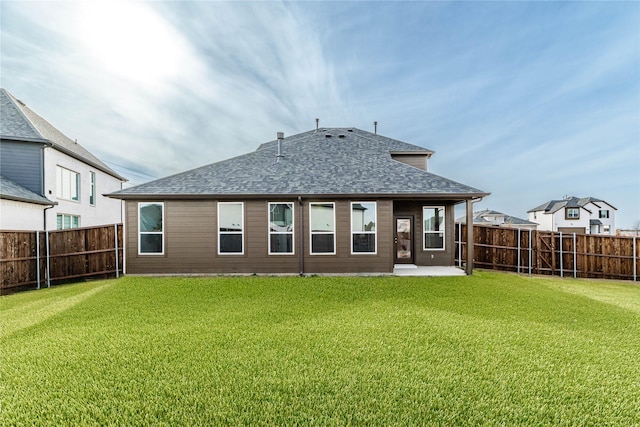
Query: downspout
pixel 301 235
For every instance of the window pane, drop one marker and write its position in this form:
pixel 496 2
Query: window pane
pixel 434 240
pixel 151 217
pixel 92 189
pixel 75 185
pixel 75 221
pixel 281 243
pixel 150 243
pixel 230 217
pixel 363 217
pixel 322 243
pixel 364 242
pixel 66 222
pixel 322 217
pixel 230 243
pixel 433 219
pixel 59 222
pixel 281 217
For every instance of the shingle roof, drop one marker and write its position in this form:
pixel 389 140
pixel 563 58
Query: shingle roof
pixel 11 190
pixel 19 123
pixel 553 206
pixel 332 161
pixel 479 218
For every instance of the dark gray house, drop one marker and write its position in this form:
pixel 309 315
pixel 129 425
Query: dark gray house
pixel 337 200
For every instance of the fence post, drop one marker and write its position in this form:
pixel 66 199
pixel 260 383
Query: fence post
pixel 575 259
pixel 48 260
pixel 117 254
pixel 38 258
pixel 634 260
pixel 561 260
pixel 519 250
pixel 530 251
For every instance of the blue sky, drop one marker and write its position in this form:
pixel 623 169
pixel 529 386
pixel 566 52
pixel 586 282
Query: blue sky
pixel 530 101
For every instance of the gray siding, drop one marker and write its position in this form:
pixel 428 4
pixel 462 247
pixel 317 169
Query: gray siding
pixel 416 160
pixel 22 162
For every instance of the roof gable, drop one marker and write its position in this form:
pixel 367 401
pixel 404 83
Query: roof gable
pixel 18 122
pixel 323 162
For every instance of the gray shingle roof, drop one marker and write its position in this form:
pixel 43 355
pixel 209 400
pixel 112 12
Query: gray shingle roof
pixel 11 190
pixel 332 161
pixel 479 218
pixel 19 123
pixel 553 206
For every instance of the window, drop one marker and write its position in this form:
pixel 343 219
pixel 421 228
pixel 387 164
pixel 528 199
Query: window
pixel 151 228
pixel 92 189
pixel 433 218
pixel 363 227
pixel 231 228
pixel 64 221
pixel 67 184
pixel 572 213
pixel 322 225
pixel 604 213
pixel 280 228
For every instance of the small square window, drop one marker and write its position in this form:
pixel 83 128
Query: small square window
pixel 572 213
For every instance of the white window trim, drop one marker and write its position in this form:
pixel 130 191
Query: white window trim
pixel 92 188
pixel 311 233
pixel 292 232
pixel 231 232
pixel 70 216
pixel 568 217
pixel 59 186
pixel 444 232
pixel 374 232
pixel 140 205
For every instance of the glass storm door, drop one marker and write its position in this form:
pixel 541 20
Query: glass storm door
pixel 403 241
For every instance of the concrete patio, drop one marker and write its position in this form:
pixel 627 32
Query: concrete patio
pixel 414 270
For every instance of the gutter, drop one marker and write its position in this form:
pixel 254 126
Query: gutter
pixel 301 235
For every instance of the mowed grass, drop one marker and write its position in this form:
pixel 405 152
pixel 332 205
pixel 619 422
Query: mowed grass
pixel 491 349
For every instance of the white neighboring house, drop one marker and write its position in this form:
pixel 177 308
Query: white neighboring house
pixel 585 215
pixel 49 181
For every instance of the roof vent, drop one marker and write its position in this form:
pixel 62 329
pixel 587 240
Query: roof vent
pixel 280 136
pixel 328 135
pixel 349 130
pixel 341 135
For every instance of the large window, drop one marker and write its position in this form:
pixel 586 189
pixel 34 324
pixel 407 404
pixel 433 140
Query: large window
pixel 64 221
pixel 92 188
pixel 151 228
pixel 363 227
pixel 572 213
pixel 433 227
pixel 230 228
pixel 281 228
pixel 67 184
pixel 322 225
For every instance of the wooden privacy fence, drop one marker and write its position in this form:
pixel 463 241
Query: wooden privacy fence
pixel 553 253
pixel 33 259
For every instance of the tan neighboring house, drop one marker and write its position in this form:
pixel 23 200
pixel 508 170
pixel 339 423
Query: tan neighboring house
pixel 499 219
pixel 336 200
pixel 47 180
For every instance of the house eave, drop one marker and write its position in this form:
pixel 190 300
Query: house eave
pixel 27 200
pixel 213 196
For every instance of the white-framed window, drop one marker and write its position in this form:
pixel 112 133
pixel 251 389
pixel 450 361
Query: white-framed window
pixel 67 184
pixel 572 213
pixel 433 227
pixel 281 228
pixel 363 228
pixel 322 227
pixel 65 222
pixel 231 228
pixel 151 228
pixel 92 188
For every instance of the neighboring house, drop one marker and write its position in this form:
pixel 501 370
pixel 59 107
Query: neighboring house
pixel 490 217
pixel 324 201
pixel 585 215
pixel 48 180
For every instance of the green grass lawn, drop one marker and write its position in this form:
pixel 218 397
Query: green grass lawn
pixel 492 349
